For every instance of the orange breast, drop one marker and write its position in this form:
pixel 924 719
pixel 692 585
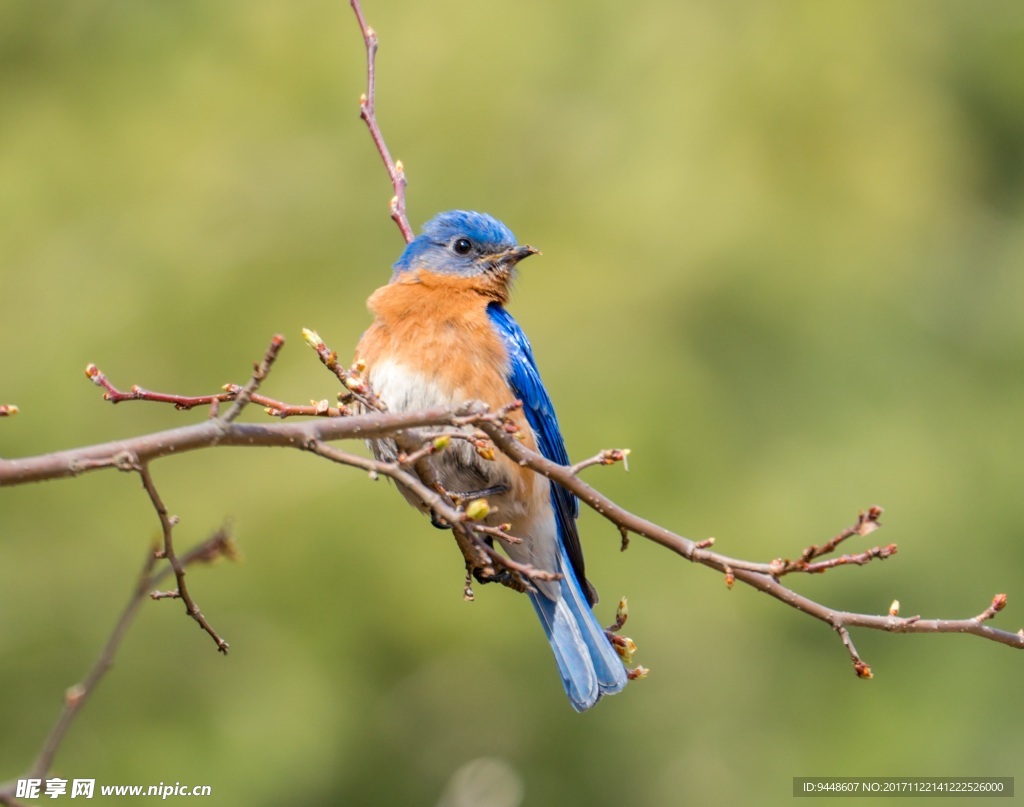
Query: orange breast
pixel 437 330
pixel 438 325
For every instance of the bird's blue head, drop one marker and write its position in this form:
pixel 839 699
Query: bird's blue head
pixel 464 244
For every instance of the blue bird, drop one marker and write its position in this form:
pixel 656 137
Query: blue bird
pixel 441 336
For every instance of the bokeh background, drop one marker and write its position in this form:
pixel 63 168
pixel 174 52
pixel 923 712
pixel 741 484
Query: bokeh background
pixel 783 256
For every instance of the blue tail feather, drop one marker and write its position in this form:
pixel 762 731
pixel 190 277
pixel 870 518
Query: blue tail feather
pixel 588 663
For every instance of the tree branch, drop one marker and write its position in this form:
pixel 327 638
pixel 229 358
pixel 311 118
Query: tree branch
pixel 243 395
pixel 217 545
pixel 419 436
pixel 482 559
pixel 121 454
pixel 760 576
pixel 368 112
pixel 167 524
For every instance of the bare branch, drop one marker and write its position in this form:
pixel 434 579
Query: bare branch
pixel 608 456
pixel 240 395
pixel 167 524
pixel 368 112
pixel 351 378
pixel 998 604
pixel 860 667
pixel 137 393
pixel 413 470
pixel 857 559
pixel 501 532
pixel 280 409
pixel 244 395
pixel 759 576
pixel 867 522
pixel 482 560
pixel 298 434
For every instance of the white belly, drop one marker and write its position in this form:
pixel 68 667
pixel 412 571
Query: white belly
pixel 463 471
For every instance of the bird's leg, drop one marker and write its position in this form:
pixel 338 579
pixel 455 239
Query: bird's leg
pixel 506 577
pixel 503 576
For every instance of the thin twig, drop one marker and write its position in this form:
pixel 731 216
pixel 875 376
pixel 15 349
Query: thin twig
pixel 867 522
pixel 271 406
pixel 607 456
pixel 368 112
pixel 167 523
pixel 244 395
pixel 860 667
pixel 998 604
pixel 501 532
pixel 280 409
pixel 855 559
pixel 137 393
pixel 232 392
pixel 351 378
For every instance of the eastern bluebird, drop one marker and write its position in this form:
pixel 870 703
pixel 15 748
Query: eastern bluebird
pixel 441 336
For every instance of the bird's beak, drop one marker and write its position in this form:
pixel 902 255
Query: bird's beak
pixel 513 255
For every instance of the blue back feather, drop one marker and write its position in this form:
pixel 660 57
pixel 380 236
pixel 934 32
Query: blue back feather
pixel 588 664
pixel 524 379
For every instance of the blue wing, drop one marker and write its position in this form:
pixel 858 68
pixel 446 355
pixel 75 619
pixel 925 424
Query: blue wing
pixel 524 379
pixel 586 660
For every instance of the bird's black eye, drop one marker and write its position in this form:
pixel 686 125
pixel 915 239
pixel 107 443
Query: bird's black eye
pixel 462 246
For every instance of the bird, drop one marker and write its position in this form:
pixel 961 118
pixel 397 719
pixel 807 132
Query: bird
pixel 442 336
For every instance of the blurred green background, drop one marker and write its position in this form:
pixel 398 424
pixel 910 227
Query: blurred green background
pixel 783 255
